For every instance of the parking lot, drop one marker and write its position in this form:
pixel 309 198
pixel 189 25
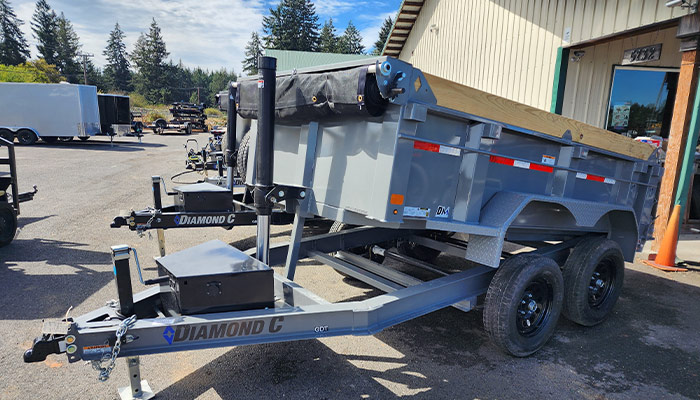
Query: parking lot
pixel 648 349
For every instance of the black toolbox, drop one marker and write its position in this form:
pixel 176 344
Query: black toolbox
pixel 203 197
pixel 215 277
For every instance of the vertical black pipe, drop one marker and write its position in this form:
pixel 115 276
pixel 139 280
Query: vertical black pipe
pixel 230 134
pixel 120 257
pixel 267 66
pixel 157 202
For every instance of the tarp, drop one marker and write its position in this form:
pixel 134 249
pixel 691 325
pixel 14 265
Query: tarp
pixel 314 96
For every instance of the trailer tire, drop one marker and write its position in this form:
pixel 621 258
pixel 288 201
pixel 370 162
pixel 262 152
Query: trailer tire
pixel 26 137
pixel 49 139
pixel 7 135
pixel 84 138
pixel 65 139
pixel 242 156
pixel 523 304
pixel 8 224
pixel 593 276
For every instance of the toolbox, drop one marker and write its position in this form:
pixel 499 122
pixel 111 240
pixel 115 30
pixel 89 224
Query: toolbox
pixel 203 197
pixel 215 277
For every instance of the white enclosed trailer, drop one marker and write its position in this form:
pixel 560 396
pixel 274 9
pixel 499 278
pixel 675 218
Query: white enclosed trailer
pixel 48 111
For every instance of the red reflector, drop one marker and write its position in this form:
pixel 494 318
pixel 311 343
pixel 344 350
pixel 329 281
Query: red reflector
pixel 426 146
pixel 539 167
pixel 595 178
pixel 501 160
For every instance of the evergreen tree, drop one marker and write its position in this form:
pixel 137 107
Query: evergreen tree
pixel 293 25
pixel 219 81
pixel 383 36
pixel 149 59
pixel 328 40
pixel 95 76
pixel 116 73
pixel 253 50
pixel 13 47
pixel 67 50
pixel 45 28
pixel 351 41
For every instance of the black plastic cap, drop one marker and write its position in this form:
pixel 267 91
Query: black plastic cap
pixel 267 62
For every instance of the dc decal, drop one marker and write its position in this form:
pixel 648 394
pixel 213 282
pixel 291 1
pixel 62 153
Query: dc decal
pixel 169 334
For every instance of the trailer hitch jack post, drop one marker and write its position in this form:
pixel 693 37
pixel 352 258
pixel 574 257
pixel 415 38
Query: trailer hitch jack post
pixel 264 153
pixel 120 258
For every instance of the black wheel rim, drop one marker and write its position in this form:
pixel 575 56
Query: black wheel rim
pixel 602 283
pixel 535 307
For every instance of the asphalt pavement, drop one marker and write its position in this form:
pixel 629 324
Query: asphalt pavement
pixel 648 349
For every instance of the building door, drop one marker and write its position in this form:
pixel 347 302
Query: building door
pixel 641 101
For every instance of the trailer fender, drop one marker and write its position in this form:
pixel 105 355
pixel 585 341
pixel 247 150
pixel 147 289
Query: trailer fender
pixel 504 208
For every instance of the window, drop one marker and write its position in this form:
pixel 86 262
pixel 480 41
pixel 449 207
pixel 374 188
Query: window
pixel 641 101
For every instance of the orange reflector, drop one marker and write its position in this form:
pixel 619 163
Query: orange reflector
pixel 396 199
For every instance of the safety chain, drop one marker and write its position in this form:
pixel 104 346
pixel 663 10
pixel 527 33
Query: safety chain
pixel 112 358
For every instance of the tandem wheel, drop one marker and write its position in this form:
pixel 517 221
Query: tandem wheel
pixel 523 303
pixel 593 275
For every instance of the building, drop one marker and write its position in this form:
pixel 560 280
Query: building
pixel 623 65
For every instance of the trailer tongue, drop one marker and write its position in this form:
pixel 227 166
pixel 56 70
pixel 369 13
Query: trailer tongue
pixel 426 166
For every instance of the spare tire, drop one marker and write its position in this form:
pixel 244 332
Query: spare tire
pixel 242 156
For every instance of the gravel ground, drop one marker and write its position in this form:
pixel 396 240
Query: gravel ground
pixel 649 348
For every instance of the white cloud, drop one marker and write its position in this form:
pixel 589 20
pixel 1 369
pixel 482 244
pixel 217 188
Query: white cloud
pixel 333 8
pixel 370 33
pixel 207 33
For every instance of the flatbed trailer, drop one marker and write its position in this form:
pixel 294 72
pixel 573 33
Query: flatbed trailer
pixel 417 163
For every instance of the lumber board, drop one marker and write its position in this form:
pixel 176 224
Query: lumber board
pixel 463 98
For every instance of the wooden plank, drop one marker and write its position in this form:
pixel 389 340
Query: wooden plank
pixel 469 100
pixel 677 137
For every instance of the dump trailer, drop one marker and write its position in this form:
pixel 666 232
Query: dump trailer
pixel 48 111
pixel 409 166
pixel 115 114
pixel 10 197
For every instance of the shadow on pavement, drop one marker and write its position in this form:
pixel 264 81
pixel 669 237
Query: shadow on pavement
pixel 102 145
pixel 68 278
pixel 648 345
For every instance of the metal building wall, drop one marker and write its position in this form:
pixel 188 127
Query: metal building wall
pixel 509 47
pixel 591 76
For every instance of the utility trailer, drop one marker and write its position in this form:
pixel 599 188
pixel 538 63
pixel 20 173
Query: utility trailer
pixel 187 117
pixel 48 111
pixel 9 201
pixel 115 114
pixel 414 160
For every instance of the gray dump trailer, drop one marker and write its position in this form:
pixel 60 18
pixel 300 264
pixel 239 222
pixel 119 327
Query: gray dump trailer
pixel 409 166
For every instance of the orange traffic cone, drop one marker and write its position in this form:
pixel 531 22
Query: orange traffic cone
pixel 665 260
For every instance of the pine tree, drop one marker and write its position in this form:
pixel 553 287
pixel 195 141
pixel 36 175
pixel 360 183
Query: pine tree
pixel 383 36
pixel 116 73
pixel 45 28
pixel 293 25
pixel 149 59
pixel 68 46
pixel 328 40
pixel 13 47
pixel 351 41
pixel 253 50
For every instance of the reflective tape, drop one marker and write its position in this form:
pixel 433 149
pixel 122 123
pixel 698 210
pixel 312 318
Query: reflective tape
pixel 595 178
pixel 521 164
pixel 436 148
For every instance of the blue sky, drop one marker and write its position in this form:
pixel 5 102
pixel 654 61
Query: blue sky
pixel 208 33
